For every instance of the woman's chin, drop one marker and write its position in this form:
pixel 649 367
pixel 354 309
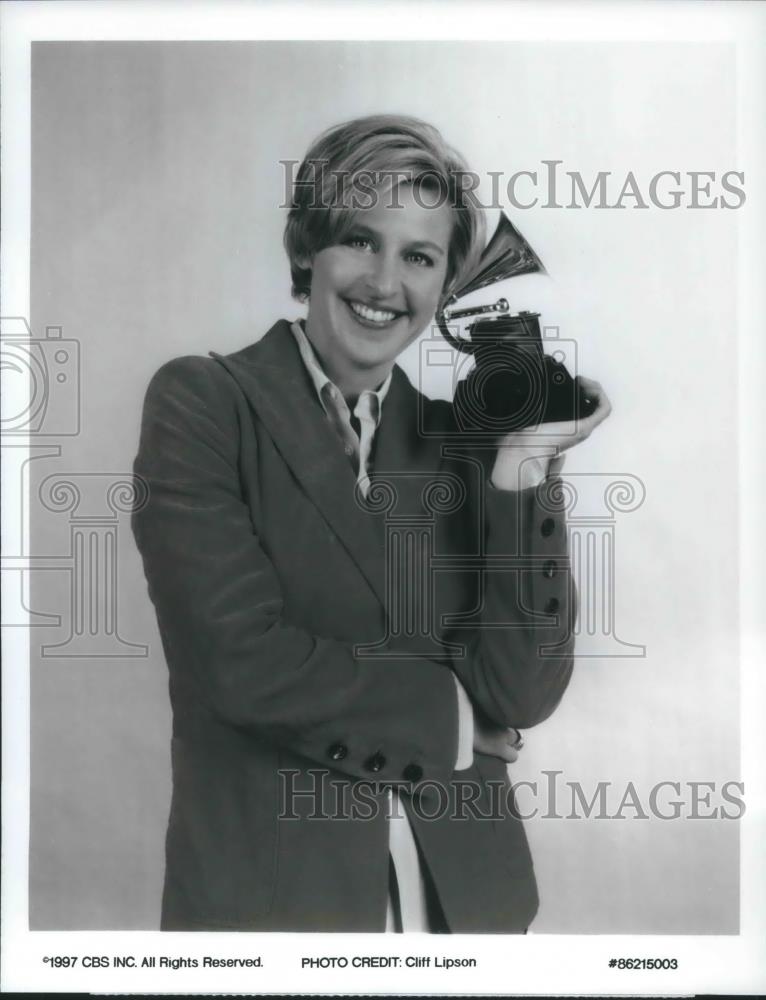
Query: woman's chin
pixel 363 344
pixel 366 356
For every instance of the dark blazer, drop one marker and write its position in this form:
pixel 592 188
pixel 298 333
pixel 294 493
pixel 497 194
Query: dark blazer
pixel 267 573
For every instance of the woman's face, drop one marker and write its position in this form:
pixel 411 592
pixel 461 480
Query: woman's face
pixel 373 294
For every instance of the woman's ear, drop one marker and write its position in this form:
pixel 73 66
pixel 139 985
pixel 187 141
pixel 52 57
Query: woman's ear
pixel 304 261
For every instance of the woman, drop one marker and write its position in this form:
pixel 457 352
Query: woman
pixel 340 736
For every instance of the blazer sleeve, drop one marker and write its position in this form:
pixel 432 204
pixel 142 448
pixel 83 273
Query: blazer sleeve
pixel 220 610
pixel 519 659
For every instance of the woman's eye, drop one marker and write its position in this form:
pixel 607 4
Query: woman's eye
pixel 420 259
pixel 360 242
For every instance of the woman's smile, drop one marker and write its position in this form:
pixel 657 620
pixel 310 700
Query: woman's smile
pixel 370 316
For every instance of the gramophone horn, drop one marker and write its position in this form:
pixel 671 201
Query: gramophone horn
pixel 506 255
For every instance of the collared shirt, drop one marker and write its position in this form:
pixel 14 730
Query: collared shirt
pixel 368 409
pixel 358 447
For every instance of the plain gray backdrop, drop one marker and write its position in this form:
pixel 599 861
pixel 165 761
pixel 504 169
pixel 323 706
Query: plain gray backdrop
pixel 156 231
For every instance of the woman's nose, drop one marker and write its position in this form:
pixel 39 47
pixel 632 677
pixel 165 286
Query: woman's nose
pixel 382 276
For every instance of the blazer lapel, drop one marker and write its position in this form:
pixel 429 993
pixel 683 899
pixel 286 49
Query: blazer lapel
pixel 274 380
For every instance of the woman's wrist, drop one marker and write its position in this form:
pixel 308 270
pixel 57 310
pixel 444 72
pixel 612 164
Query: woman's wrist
pixel 517 469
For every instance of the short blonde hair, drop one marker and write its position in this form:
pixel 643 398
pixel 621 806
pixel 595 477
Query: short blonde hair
pixel 338 176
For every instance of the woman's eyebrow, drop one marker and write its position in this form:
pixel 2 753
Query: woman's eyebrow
pixel 363 229
pixel 428 244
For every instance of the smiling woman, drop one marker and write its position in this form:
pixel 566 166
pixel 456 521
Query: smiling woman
pixel 300 497
pixel 372 295
pixel 378 230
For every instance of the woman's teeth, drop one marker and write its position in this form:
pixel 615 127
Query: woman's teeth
pixel 373 315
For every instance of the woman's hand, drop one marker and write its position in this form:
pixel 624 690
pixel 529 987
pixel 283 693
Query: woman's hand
pixel 526 457
pixel 496 741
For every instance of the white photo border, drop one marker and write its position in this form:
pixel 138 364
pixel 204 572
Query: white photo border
pixel 536 964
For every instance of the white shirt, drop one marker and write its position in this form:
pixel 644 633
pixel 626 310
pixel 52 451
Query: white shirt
pixel 401 840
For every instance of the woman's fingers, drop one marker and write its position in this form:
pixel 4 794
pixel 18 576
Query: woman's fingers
pixel 496 741
pixel 564 433
pixel 504 751
pixel 594 390
pixel 514 738
pixel 556 436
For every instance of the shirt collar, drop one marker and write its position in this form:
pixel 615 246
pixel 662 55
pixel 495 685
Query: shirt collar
pixel 323 384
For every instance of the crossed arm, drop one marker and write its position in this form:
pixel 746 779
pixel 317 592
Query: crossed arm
pixel 220 610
